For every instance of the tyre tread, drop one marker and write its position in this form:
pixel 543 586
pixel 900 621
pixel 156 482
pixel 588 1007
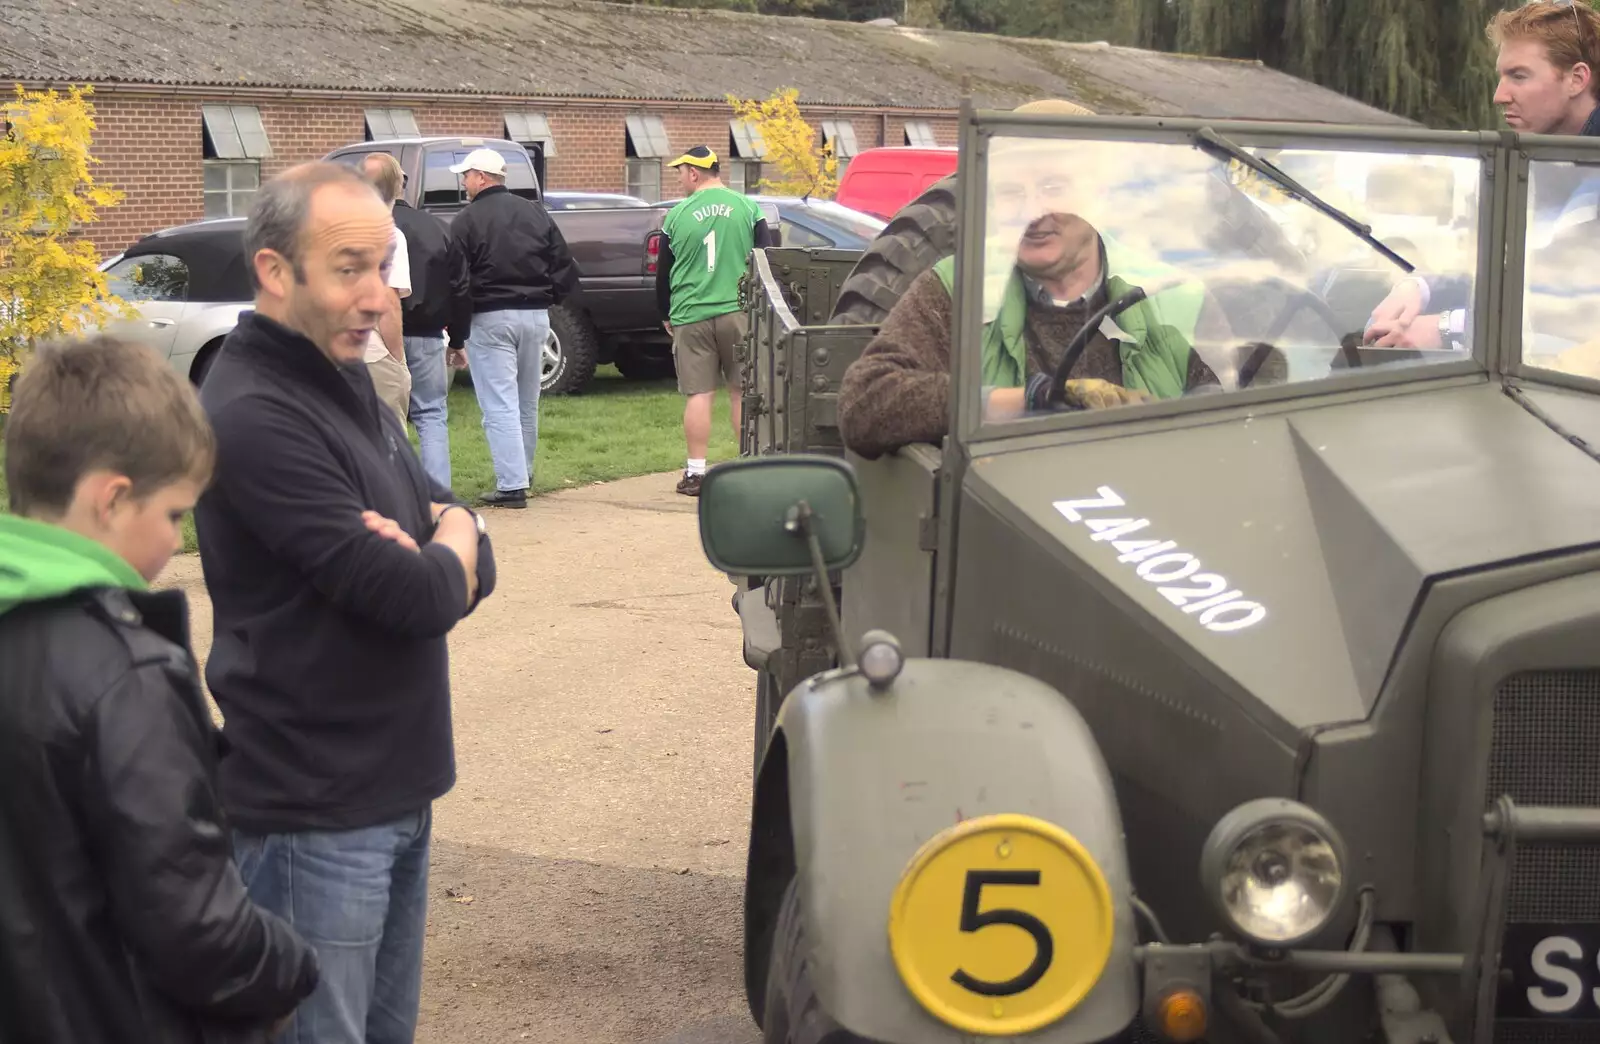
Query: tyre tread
pixel 794 1014
pixel 580 343
pixel 922 232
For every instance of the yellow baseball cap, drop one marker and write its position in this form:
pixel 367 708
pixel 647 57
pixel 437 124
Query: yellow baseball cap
pixel 699 156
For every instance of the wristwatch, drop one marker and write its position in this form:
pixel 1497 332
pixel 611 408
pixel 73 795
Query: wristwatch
pixel 477 519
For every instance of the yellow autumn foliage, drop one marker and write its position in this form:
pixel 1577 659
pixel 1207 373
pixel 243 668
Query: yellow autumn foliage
pixel 804 168
pixel 50 283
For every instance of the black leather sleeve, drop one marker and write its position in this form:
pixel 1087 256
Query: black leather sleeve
pixel 176 893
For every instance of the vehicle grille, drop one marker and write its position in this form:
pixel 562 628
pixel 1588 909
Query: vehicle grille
pixel 1545 1033
pixel 1544 752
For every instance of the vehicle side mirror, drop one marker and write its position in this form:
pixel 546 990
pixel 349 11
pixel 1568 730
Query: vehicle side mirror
pixel 757 515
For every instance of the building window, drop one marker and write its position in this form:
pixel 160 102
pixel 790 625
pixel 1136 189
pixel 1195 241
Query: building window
pixel 647 147
pixel 746 149
pixel 233 144
pixel 388 124
pixel 920 134
pixel 644 179
pixel 841 134
pixel 743 176
pixel 230 186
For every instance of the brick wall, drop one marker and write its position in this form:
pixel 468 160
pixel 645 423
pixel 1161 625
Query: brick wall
pixel 152 148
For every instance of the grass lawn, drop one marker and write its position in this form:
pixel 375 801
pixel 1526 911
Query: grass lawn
pixel 617 428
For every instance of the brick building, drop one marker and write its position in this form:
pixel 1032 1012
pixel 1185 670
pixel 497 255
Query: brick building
pixel 198 100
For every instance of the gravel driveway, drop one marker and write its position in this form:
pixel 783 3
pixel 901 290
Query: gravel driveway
pixel 587 868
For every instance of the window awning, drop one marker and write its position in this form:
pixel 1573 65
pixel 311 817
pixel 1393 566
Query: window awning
pixel 842 133
pixel 235 132
pixel 920 134
pixel 648 137
pixel 747 140
pixel 525 127
pixel 388 124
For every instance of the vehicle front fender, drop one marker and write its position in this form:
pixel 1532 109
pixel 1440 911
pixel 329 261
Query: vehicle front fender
pixel 865 778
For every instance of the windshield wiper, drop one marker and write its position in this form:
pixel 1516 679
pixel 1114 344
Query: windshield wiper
pixel 1213 144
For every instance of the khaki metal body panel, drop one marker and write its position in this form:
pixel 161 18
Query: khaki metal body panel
pixel 872 776
pixel 891 584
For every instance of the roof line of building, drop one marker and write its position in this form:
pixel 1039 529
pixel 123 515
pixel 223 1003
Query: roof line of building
pixel 230 90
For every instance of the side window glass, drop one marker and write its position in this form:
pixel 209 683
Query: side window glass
pixel 519 174
pixel 795 236
pixel 441 188
pixel 149 277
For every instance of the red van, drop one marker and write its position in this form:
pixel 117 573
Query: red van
pixel 880 181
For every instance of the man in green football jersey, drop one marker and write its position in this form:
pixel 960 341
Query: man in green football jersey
pixel 707 243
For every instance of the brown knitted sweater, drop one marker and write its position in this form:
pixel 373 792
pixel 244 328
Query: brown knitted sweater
pixel 898 391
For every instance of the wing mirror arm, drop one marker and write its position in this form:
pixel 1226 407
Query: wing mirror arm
pixel 798 522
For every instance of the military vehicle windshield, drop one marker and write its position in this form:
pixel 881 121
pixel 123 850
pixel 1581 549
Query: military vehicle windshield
pixel 1561 295
pixel 1165 271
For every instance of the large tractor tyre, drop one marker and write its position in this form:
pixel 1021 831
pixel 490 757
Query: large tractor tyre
pixel 921 233
pixel 569 360
pixel 792 1014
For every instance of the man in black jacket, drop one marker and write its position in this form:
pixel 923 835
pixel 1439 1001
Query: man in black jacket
pixel 336 571
pixel 440 299
pixel 520 266
pixel 123 918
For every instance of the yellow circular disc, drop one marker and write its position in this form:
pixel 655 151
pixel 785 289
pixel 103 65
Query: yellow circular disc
pixel 1001 925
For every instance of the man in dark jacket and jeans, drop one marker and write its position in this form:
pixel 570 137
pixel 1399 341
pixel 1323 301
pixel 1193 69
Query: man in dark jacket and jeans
pixel 520 266
pixel 440 300
pixel 336 571
pixel 123 918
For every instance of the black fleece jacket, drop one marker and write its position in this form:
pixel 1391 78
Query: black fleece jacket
pixel 328 656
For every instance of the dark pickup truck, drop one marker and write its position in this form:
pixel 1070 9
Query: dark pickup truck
pixel 613 317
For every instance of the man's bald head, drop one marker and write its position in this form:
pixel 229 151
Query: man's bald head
pixel 282 209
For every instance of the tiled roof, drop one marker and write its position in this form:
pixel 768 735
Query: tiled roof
pixel 578 48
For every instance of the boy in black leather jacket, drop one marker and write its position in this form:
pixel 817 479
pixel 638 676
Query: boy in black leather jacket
pixel 123 919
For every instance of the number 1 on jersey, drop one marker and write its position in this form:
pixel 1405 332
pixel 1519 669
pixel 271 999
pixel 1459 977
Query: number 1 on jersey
pixel 711 250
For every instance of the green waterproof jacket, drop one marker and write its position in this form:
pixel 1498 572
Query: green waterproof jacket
pixel 1157 333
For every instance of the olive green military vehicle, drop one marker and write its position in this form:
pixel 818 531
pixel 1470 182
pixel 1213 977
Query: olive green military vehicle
pixel 1265 710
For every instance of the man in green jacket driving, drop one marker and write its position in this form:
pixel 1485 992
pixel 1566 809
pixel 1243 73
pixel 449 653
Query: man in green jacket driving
pixel 1061 271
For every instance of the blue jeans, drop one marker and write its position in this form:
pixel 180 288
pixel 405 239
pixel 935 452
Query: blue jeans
pixel 505 351
pixel 430 412
pixel 360 898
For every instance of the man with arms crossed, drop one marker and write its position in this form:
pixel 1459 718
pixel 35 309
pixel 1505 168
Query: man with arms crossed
pixel 336 571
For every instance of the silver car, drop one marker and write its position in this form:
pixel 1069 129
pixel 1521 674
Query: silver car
pixel 189 284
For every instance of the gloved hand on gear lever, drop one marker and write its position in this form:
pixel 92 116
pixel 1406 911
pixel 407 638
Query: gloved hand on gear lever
pixel 1084 393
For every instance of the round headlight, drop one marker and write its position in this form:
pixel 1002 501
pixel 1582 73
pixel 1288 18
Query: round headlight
pixel 1275 870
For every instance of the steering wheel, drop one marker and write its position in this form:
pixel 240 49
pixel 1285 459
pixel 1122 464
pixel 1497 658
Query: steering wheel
pixel 1295 300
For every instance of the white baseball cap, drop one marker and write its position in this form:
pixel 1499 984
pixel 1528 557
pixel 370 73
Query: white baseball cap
pixel 487 160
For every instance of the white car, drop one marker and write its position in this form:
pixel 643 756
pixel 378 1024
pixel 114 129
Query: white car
pixel 189 285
